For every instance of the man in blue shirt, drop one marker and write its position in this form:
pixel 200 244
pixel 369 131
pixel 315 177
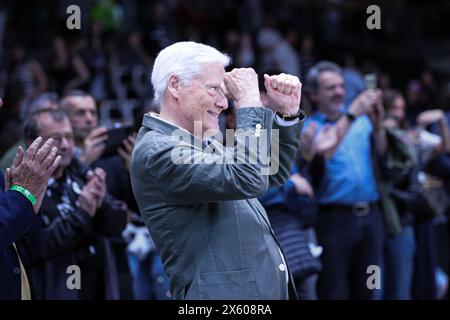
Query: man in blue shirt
pixel 349 220
pixel 20 228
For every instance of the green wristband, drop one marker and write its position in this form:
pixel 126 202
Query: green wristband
pixel 25 192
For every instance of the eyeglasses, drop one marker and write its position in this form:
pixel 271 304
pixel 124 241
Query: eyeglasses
pixel 215 90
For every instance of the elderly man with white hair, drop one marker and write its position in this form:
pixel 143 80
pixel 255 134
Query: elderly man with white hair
pixel 198 197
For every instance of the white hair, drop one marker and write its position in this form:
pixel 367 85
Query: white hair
pixel 183 59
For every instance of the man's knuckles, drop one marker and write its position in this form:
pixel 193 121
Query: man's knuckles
pixel 285 84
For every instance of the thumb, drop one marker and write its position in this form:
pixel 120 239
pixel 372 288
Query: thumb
pixel 267 83
pixel 228 84
pixel 89 175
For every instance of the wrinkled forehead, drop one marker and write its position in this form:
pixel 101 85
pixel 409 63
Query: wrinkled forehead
pixel 47 125
pixel 46 104
pixel 81 103
pixel 400 102
pixel 211 72
pixel 329 78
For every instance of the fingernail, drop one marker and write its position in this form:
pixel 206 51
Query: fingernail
pixel 55 149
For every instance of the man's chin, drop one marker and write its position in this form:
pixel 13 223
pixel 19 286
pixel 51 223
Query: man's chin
pixel 83 133
pixel 210 131
pixel 337 106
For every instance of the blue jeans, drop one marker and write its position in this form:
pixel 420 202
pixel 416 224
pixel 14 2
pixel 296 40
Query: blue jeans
pixel 350 245
pixel 398 266
pixel 149 279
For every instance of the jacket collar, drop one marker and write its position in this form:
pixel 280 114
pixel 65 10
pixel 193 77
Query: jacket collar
pixel 154 122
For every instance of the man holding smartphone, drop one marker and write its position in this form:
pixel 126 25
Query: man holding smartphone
pixel 345 140
pixel 91 139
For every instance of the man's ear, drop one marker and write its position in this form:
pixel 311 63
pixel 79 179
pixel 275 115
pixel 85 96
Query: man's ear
pixel 174 86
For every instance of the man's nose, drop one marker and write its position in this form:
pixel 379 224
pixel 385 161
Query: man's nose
pixel 222 102
pixel 340 91
pixel 90 117
pixel 65 143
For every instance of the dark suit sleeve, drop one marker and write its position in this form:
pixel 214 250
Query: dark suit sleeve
pixel 284 150
pixel 16 212
pixel 33 239
pixel 66 233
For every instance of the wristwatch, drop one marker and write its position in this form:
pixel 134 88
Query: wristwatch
pixel 288 117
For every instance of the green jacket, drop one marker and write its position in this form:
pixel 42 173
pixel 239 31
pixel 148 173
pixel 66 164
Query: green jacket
pixel 400 157
pixel 213 235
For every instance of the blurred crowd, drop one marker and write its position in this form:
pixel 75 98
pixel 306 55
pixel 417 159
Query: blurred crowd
pixel 371 185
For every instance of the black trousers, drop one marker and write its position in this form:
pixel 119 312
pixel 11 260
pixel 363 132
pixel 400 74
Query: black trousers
pixel 351 244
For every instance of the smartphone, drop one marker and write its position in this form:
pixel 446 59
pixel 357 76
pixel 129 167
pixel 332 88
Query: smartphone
pixel 371 81
pixel 116 135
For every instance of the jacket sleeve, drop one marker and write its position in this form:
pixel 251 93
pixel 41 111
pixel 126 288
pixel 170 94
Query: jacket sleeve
pixel 33 240
pixel 242 172
pixel 66 233
pixel 16 212
pixel 285 141
pixel 188 175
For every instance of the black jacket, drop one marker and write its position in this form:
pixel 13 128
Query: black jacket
pixel 81 240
